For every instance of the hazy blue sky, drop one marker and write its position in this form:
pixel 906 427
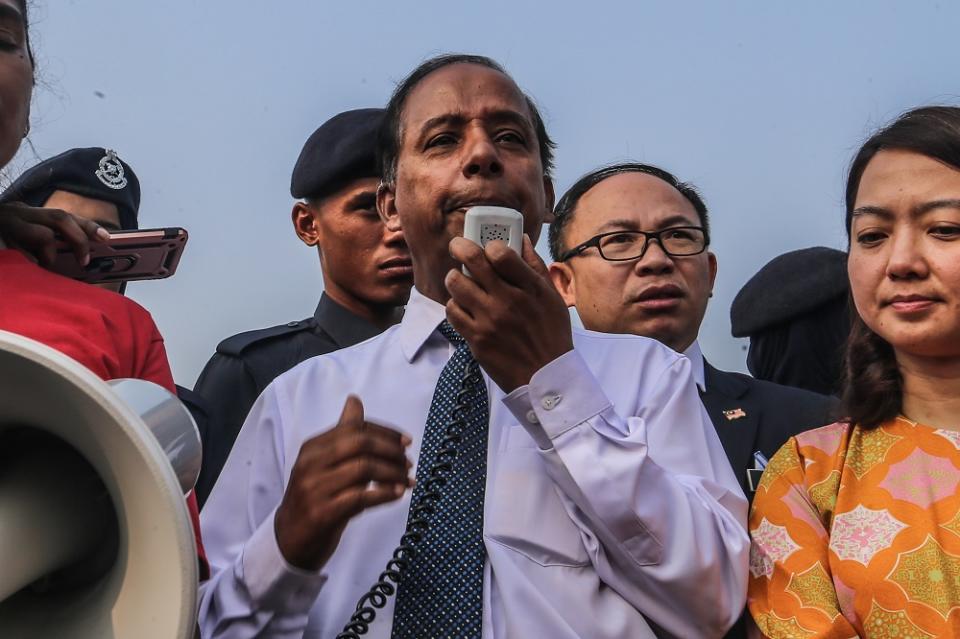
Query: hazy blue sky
pixel 760 104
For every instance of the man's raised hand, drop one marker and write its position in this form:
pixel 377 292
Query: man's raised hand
pixel 337 475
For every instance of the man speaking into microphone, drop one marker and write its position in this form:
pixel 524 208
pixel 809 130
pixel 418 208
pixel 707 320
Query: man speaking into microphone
pixel 568 484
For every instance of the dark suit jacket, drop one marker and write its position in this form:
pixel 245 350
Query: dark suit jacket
pixel 769 414
pixel 772 414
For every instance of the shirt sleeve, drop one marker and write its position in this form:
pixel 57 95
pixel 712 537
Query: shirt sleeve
pixel 254 592
pixel 652 494
pixel 791 590
pixel 229 391
pixel 153 365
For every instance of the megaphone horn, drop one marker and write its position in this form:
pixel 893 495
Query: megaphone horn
pixel 95 538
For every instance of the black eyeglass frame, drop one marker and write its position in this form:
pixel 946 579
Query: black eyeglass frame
pixel 647 236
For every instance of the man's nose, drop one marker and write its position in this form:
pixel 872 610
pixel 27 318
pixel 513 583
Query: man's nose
pixel 654 260
pixel 482 159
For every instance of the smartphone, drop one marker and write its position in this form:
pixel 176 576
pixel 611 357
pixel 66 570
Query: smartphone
pixel 483 224
pixel 127 256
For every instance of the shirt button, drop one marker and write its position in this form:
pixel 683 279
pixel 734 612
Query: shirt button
pixel 293 324
pixel 550 401
pixel 532 417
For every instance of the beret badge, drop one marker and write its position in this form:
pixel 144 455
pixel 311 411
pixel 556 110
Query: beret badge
pixel 111 171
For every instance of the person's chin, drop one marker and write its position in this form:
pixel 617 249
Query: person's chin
pixel 926 339
pixel 397 295
pixel 664 328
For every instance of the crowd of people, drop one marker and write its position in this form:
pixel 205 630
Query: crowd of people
pixel 440 454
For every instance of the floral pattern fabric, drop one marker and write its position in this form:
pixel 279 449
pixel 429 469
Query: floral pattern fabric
pixel 856 533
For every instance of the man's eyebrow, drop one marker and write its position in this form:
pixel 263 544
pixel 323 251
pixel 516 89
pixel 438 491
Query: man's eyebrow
pixel 362 200
pixel 447 119
pixel 509 115
pixel 621 224
pixel 676 220
pixel 458 119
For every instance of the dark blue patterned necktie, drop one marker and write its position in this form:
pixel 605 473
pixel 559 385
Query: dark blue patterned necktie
pixel 441 592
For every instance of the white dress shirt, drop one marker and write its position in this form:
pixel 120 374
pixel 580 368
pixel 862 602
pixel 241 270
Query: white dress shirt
pixel 608 496
pixel 697 369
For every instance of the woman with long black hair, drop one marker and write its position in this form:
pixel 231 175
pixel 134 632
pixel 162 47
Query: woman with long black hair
pixel 856 525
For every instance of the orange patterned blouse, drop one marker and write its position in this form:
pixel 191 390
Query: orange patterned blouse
pixel 856 533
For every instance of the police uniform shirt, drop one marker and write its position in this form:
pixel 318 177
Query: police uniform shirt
pixel 246 363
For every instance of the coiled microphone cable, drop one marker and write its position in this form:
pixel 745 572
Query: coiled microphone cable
pixel 434 479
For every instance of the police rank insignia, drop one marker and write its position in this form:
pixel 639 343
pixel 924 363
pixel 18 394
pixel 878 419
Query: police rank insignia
pixel 735 413
pixel 111 171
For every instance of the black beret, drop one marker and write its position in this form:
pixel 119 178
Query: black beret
pixel 789 285
pixel 343 148
pixel 93 172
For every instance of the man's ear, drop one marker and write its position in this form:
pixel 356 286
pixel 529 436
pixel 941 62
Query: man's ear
pixel 564 281
pixel 712 259
pixel 387 207
pixel 551 197
pixel 305 223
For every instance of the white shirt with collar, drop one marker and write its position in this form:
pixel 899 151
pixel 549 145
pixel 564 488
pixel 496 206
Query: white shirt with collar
pixel 608 495
pixel 695 355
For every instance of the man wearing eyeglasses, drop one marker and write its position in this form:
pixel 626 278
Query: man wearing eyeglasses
pixel 630 248
pixel 630 243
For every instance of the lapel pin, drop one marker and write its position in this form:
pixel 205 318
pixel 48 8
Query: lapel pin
pixel 734 413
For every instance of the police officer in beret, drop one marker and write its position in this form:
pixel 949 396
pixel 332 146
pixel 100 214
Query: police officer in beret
pixel 367 275
pixel 796 312
pixel 70 194
pixel 93 184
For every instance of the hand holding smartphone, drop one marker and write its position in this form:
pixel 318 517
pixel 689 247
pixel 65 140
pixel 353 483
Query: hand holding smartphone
pixel 144 254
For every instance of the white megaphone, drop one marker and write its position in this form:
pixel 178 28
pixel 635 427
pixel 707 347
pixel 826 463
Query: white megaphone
pixel 95 538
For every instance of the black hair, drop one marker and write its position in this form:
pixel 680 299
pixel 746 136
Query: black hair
pixel 563 212
pixel 26 30
pixel 873 386
pixel 388 146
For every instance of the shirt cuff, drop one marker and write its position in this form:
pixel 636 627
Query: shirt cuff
pixel 272 582
pixel 560 396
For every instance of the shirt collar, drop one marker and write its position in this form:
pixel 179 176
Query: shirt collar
pixel 420 319
pixel 345 327
pixel 695 355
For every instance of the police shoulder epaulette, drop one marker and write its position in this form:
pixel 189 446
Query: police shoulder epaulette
pixel 237 344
